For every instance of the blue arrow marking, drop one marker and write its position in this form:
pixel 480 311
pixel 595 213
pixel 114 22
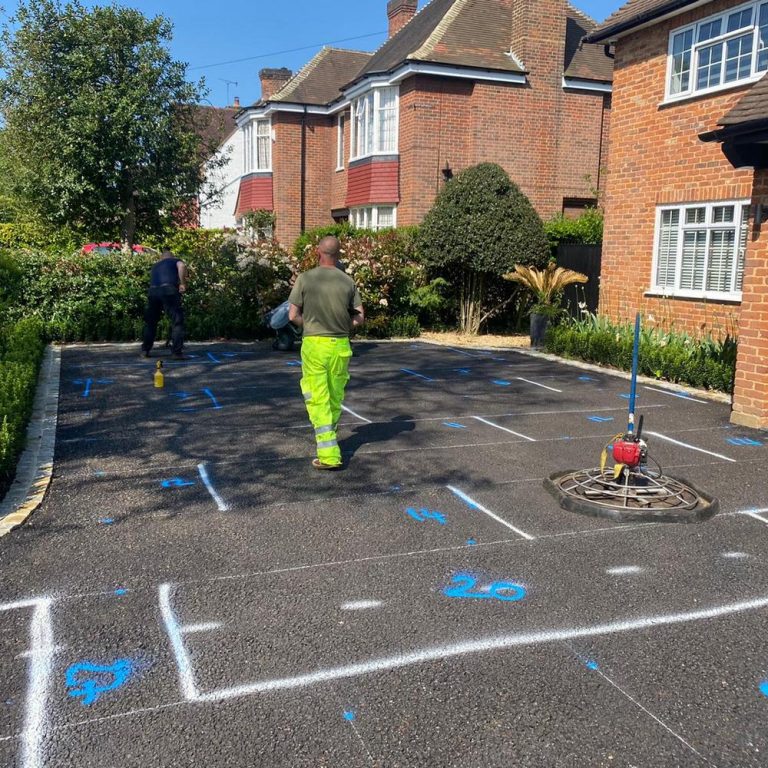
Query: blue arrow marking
pixel 502 383
pixel 424 514
pixel 105 678
pixel 464 371
pixel 600 419
pixel 744 441
pixel 87 391
pixel 453 425
pixel 294 363
pixel 177 482
pixel 413 373
pixel 216 405
pixel 586 378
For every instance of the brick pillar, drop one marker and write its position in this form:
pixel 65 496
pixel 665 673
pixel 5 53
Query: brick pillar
pixel 399 13
pixel 272 80
pixel 750 395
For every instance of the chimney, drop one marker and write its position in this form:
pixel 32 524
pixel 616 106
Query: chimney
pixel 272 80
pixel 538 36
pixel 236 102
pixel 399 13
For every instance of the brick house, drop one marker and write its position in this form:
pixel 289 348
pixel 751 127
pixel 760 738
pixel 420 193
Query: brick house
pixel 372 137
pixel 684 198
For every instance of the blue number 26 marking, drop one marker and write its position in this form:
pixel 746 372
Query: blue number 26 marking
pixel 498 590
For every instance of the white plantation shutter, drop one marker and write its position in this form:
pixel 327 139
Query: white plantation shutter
pixel 693 261
pixel 721 251
pixel 666 258
pixel 742 250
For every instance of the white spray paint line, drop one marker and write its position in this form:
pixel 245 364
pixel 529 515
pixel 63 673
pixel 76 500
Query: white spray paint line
pixel 361 605
pixel 652 716
pixel 214 495
pixel 503 429
pixel 356 415
pixel 176 636
pixel 756 516
pixel 536 384
pixel 622 570
pixel 40 655
pixel 679 395
pixel 688 445
pixel 736 555
pixel 440 653
pixel 462 352
pixel 474 505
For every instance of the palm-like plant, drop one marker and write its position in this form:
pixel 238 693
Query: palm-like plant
pixel 546 284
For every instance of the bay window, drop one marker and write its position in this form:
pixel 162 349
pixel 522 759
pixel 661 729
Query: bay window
pixel 700 249
pixel 258 146
pixel 373 217
pixel 373 124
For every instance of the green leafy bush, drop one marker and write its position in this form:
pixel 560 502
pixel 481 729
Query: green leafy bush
pixel 405 327
pixel 21 350
pixel 707 363
pixel 587 229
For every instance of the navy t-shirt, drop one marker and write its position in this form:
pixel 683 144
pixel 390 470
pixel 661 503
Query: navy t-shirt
pixel 165 272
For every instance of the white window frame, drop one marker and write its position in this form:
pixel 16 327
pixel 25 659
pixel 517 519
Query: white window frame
pixel 367 216
pixel 740 224
pixel 253 132
pixel 340 142
pixel 367 112
pixel 722 39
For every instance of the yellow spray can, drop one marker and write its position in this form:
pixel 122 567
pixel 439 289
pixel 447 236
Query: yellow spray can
pixel 159 378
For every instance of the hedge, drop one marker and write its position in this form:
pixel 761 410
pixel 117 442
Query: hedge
pixel 706 363
pixel 21 351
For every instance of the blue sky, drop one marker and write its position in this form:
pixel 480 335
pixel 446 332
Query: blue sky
pixel 208 34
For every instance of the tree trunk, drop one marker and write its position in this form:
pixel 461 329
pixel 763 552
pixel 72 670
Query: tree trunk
pixel 129 225
pixel 471 302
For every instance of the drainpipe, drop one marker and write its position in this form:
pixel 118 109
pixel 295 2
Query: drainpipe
pixel 303 194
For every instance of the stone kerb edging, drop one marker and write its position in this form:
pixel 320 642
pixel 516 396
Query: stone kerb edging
pixel 35 469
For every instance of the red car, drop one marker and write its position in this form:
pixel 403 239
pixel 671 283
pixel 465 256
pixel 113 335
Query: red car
pixel 102 249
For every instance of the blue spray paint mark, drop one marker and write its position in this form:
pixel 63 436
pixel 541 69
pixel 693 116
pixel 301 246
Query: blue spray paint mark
pixel 105 381
pixel 216 405
pixel 188 410
pixel 499 359
pixel 181 395
pixel 593 665
pixel 502 383
pixel 587 378
pixel 625 396
pixel 229 354
pixel 600 419
pixel 213 358
pixel 107 520
pixel 471 543
pixel 78 382
pixel 121 592
pixel 100 473
pixel 294 363
pixel 504 591
pixel 744 441
pixel 413 373
pixel 453 425
pixel 764 688
pixel 177 482
pixel 87 391
pixel 349 716
pixel 106 678
pixel 394 488
pixel 464 371
pixel 424 514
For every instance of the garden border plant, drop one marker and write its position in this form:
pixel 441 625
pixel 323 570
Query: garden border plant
pixel 706 363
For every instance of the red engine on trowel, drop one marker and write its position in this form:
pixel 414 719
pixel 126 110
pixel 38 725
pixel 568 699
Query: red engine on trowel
pixel 630 451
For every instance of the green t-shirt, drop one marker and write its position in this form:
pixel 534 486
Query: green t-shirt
pixel 327 296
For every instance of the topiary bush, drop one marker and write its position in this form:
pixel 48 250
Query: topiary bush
pixel 480 226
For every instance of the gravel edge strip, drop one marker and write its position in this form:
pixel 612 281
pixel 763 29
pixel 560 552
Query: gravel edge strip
pixel 35 468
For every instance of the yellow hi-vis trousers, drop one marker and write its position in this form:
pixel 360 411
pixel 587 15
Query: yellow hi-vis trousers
pixel 325 373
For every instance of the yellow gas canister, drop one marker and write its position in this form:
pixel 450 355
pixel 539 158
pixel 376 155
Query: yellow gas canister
pixel 159 377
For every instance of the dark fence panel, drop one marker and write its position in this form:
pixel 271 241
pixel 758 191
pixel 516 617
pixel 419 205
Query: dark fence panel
pixel 585 259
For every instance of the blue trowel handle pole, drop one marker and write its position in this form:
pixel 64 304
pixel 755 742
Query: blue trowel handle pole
pixel 633 390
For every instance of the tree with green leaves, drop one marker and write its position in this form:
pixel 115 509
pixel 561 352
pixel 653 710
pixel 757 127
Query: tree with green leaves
pixel 98 119
pixel 480 226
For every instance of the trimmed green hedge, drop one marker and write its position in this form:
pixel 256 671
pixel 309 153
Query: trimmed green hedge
pixel 705 363
pixel 21 351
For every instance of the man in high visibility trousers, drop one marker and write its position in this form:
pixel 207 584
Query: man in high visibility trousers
pixel 327 304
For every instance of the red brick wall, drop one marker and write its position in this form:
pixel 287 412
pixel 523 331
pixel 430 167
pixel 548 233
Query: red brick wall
pixel 547 140
pixel 655 158
pixel 255 194
pixel 339 182
pixel 750 398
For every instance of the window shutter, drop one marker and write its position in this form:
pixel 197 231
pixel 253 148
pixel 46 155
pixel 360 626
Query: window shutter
pixel 666 260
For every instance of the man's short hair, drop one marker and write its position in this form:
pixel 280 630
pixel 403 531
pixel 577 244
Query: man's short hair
pixel 330 246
